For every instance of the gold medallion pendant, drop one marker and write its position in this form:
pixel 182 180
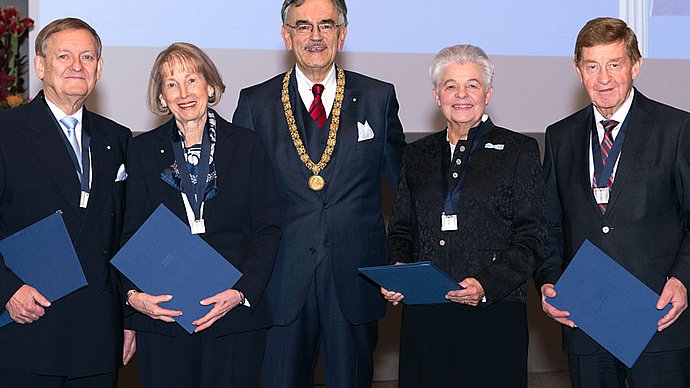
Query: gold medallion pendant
pixel 316 181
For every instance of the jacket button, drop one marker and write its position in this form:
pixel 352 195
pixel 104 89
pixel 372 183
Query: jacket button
pixel 326 205
pixel 442 242
pixel 312 250
pixel 605 229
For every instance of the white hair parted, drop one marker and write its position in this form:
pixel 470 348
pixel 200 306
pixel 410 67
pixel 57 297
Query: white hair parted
pixel 462 53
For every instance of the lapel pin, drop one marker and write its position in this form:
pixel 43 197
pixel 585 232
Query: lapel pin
pixel 108 147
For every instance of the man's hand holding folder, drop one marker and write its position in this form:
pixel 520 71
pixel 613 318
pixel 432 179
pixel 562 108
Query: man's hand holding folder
pixel 676 294
pixel 27 305
pixel 560 316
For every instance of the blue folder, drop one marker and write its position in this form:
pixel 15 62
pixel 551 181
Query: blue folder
pixel 164 258
pixel 420 283
pixel 608 303
pixel 42 256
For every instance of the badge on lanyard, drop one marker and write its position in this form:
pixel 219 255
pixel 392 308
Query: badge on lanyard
pixel 198 226
pixel 601 195
pixel 84 199
pixel 449 222
pixel 193 195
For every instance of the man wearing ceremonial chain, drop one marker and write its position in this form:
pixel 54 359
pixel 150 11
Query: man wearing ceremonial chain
pixel 330 134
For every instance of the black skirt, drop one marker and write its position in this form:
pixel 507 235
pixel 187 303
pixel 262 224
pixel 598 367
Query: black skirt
pixel 453 345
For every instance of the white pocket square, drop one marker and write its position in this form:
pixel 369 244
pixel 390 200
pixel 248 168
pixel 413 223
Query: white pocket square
pixel 498 147
pixel 364 131
pixel 121 173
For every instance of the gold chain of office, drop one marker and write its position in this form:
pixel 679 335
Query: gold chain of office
pixel 316 181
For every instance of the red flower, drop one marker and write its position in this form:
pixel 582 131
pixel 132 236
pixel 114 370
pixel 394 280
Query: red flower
pixel 13 28
pixel 27 22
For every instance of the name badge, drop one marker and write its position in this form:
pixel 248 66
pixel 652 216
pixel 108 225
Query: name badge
pixel 601 195
pixel 84 200
pixel 449 222
pixel 198 226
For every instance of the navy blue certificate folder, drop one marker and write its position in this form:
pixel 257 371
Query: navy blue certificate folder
pixel 164 258
pixel 420 283
pixel 42 256
pixel 608 303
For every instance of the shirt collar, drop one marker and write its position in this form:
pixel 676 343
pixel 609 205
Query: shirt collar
pixel 620 114
pixel 304 86
pixel 59 114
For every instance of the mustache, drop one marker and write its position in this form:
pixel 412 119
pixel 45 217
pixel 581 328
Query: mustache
pixel 315 44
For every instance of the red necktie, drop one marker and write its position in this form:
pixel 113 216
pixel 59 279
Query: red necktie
pixel 606 145
pixel 316 110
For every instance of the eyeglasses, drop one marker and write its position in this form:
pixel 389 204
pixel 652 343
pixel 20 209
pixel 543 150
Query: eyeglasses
pixel 325 28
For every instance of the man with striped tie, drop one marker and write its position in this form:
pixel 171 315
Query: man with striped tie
pixel 618 174
pixel 330 133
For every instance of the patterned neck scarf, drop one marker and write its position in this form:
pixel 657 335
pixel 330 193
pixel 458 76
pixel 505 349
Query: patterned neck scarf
pixel 171 175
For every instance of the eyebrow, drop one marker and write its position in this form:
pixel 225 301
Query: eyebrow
pixel 469 80
pixel 319 22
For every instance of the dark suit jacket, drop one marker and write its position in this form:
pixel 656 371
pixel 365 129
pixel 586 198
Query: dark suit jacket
pixel 80 334
pixel 347 212
pixel 643 228
pixel 501 232
pixel 241 220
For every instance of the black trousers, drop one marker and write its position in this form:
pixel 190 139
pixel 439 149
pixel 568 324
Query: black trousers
pixel 653 369
pixel 200 360
pixel 453 345
pixel 31 380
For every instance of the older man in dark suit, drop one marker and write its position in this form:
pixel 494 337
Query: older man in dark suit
pixel 330 134
pixel 47 149
pixel 618 174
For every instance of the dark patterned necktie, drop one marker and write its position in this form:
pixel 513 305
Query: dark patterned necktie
pixel 606 145
pixel 317 110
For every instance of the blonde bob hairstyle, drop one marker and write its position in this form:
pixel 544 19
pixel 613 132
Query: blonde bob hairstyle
pixel 190 58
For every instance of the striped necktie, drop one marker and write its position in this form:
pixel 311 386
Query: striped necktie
pixel 606 145
pixel 317 110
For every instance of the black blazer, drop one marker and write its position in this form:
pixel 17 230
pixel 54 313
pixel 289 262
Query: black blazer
pixel 347 212
pixel 241 220
pixel 643 228
pixel 501 232
pixel 80 334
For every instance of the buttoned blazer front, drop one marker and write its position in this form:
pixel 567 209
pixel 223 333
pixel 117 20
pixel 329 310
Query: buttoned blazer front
pixel 241 220
pixel 80 334
pixel 501 233
pixel 347 211
pixel 644 226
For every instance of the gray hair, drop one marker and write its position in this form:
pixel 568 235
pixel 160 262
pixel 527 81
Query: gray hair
pixel 462 53
pixel 339 5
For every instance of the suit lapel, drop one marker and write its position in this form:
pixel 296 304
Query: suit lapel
pixel 101 164
pixel 639 129
pixel 580 139
pixel 347 131
pixel 296 104
pixel 165 157
pixel 43 139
